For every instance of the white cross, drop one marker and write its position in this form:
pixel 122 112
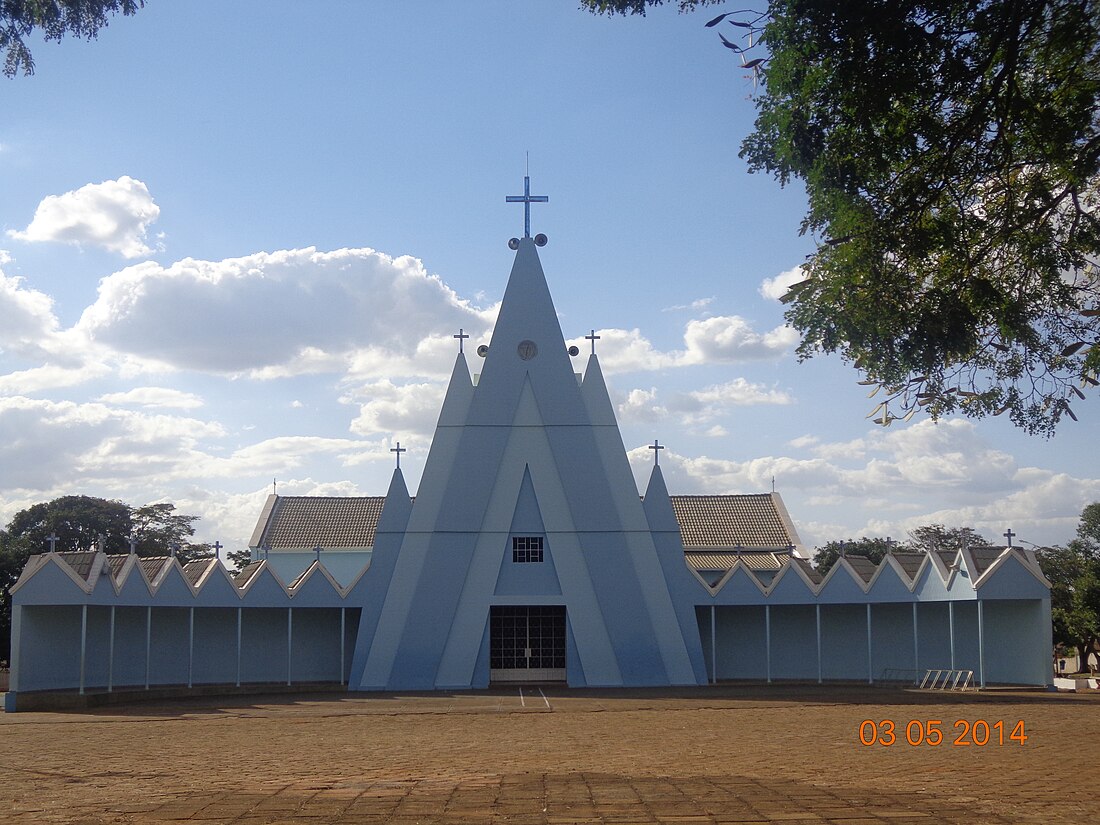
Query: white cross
pixel 398 449
pixel 593 338
pixel 656 455
pixel 133 544
pixel 53 539
pixel 461 337
pixel 526 199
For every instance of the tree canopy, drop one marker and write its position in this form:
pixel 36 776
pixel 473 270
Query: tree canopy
pixel 928 537
pixel 950 151
pixel 83 523
pixel 52 19
pixel 1074 574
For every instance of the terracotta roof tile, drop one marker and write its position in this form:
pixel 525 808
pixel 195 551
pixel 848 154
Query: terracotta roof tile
pixel 330 521
pixel 727 521
pixel 724 561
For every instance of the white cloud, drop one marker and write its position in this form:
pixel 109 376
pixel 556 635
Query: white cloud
pixel 722 339
pixel 114 215
pixel 29 327
pixel 285 313
pixel 775 288
pixel 697 304
pixel 402 411
pixel 727 339
pixel 154 397
pixel 698 408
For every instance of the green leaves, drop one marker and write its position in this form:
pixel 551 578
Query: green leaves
pixel 951 156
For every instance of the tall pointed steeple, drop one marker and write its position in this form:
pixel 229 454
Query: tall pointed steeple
pixel 528 436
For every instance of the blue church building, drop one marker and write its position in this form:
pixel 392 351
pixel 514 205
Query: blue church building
pixel 527 555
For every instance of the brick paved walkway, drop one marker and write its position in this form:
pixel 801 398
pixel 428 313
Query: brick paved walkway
pixel 715 755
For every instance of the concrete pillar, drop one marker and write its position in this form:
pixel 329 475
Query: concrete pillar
pixel 238 647
pixel 870 666
pixel 289 642
pixel 916 647
pixel 16 645
pixel 111 654
pixel 817 614
pixel 342 637
pixel 981 647
pixel 190 644
pixel 768 641
pixel 148 642
pixel 83 643
pixel 951 630
pixel 713 644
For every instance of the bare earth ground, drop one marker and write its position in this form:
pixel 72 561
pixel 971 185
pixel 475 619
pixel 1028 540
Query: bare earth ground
pixel 710 755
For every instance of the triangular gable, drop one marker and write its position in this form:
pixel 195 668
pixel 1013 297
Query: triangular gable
pixel 132 585
pixel 534 579
pixel 51 581
pixel 1010 577
pixel 217 589
pixel 316 588
pixel 739 586
pixel 460 391
pixel 842 584
pixel 890 584
pixel 790 586
pixel 265 589
pixel 172 587
pixel 597 400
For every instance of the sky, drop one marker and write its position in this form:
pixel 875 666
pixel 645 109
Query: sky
pixel 236 240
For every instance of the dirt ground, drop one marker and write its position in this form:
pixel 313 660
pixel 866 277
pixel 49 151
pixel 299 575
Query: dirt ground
pixel 708 755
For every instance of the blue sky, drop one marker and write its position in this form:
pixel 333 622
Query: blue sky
pixel 237 239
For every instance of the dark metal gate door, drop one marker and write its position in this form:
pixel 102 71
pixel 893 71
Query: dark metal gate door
pixel 527 643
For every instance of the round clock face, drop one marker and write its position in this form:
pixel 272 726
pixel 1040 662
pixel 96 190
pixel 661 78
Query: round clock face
pixel 527 350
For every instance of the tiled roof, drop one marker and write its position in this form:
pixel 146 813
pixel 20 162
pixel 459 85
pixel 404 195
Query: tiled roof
pixel 115 561
pixel 330 521
pixel 193 570
pixel 729 521
pixel 246 574
pixel 712 522
pixel 152 565
pixel 810 571
pixel 724 561
pixel 910 562
pixel 864 567
pixel 985 556
pixel 80 562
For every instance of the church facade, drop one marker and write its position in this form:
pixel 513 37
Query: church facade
pixel 527 555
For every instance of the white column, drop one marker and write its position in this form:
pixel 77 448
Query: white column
pixel 713 644
pixel 981 647
pixel 83 643
pixel 916 647
pixel 238 647
pixel 148 641
pixel 817 613
pixel 768 641
pixel 870 668
pixel 16 645
pixel 111 654
pixel 190 645
pixel 289 640
pixel 342 632
pixel 951 630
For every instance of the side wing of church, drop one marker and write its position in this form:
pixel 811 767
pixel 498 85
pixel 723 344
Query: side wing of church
pixel 526 555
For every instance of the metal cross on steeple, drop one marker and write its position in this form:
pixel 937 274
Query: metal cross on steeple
pixel 655 446
pixel 1008 534
pixel 526 199
pixel 462 336
pixel 53 539
pixel 593 338
pixel 398 449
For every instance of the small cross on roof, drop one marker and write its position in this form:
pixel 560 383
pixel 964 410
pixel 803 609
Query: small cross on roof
pixel 462 336
pixel 655 446
pixel 398 449
pixel 593 338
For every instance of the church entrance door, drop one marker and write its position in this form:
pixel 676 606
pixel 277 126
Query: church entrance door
pixel 527 643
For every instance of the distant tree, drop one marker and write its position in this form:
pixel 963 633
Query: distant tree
pixel 1074 574
pixel 52 19
pixel 238 559
pixel 81 523
pixel 950 151
pixel 938 537
pixel 874 549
